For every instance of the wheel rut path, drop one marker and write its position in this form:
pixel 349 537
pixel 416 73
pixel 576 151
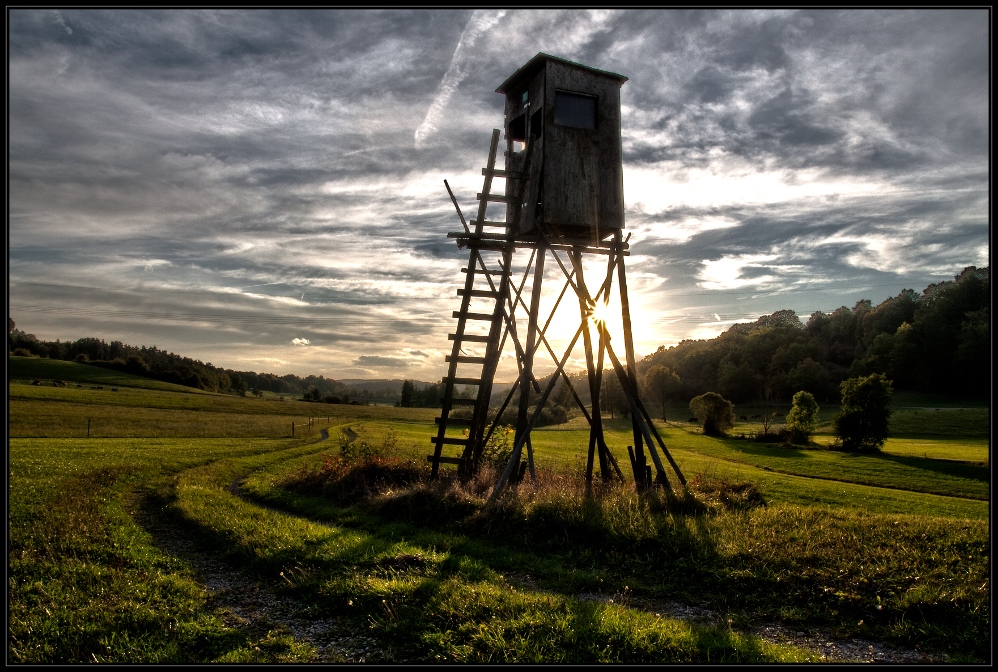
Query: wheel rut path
pixel 253 603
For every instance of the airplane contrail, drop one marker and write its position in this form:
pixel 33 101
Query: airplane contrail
pixel 480 21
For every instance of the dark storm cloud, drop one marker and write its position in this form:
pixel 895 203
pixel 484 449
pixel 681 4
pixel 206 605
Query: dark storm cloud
pixel 285 167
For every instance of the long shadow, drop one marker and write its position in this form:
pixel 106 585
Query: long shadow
pixel 948 467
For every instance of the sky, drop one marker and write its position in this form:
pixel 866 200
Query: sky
pixel 262 190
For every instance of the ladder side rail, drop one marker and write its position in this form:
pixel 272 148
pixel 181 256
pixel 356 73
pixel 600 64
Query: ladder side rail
pixel 475 258
pixel 625 313
pixel 487 188
pixel 493 351
pixel 449 380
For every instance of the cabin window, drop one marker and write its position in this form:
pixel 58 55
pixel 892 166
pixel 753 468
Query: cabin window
pixel 518 128
pixel 574 109
pixel 518 133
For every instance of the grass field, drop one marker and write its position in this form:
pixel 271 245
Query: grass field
pixel 893 547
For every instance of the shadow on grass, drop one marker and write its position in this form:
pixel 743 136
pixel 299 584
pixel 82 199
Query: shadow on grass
pixel 948 467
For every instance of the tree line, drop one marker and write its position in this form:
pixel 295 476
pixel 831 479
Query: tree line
pixel 936 342
pixel 152 362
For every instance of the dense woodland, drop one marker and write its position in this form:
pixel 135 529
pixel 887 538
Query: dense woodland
pixel 937 342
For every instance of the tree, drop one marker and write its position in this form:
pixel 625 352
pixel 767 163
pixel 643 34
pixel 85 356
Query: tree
pixel 803 417
pixel 862 423
pixel 612 396
pixel 714 412
pixel 661 384
pixel 408 398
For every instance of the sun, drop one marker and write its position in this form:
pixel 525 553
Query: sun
pixel 601 312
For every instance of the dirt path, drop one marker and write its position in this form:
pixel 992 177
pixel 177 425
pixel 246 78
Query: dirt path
pixel 817 640
pixel 254 605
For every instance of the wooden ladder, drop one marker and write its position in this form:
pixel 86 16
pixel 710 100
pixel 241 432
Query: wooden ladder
pixel 484 367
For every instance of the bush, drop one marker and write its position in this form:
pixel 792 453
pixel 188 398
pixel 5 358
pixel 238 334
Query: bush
pixel 714 412
pixel 802 418
pixel 861 425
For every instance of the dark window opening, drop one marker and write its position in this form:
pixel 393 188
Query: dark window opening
pixel 574 109
pixel 537 124
pixel 518 128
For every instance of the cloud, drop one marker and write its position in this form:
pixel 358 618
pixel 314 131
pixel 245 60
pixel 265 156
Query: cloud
pixel 381 361
pixel 300 341
pixel 480 21
pixel 218 182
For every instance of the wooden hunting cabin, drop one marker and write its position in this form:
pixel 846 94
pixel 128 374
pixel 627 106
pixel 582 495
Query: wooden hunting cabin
pixel 570 113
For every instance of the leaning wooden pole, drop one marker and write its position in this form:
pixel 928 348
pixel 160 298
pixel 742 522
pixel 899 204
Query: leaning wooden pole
pixel 625 317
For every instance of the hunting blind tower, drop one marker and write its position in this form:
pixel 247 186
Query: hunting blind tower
pixel 563 196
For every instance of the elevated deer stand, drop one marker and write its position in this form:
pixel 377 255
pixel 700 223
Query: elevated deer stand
pixel 564 198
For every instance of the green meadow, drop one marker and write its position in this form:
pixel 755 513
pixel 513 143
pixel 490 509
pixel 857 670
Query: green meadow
pixel 892 547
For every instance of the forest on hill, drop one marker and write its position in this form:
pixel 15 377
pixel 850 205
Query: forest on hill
pixel 937 342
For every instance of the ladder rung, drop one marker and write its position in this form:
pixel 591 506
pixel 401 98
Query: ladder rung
pixel 464 422
pixel 481 272
pixel 461 402
pixel 473 316
pixel 496 172
pixel 445 460
pixel 495 198
pixel 479 293
pixel 464 359
pixel 473 338
pixel 464 381
pixel 449 441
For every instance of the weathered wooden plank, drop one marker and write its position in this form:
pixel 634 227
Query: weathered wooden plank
pixel 510 174
pixel 473 316
pixel 471 338
pixel 478 293
pixel 461 422
pixel 481 272
pixel 465 359
pixel 465 381
pixel 493 198
pixel 445 460
pixel 448 441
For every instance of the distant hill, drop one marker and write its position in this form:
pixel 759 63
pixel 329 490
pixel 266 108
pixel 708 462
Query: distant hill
pixel 378 384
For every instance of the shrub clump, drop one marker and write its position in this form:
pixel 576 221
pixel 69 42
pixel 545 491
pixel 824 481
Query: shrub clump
pixel 713 412
pixel 861 425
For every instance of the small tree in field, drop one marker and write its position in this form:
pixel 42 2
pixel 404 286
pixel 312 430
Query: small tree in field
pixel 714 412
pixel 862 423
pixel 660 384
pixel 407 399
pixel 802 418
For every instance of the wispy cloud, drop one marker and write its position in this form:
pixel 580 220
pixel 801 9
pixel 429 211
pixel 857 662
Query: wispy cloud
pixel 480 21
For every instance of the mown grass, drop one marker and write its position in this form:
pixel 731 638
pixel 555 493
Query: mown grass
pixel 432 574
pixel 914 579
pixel 85 581
pixel 433 602
pixel 792 476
